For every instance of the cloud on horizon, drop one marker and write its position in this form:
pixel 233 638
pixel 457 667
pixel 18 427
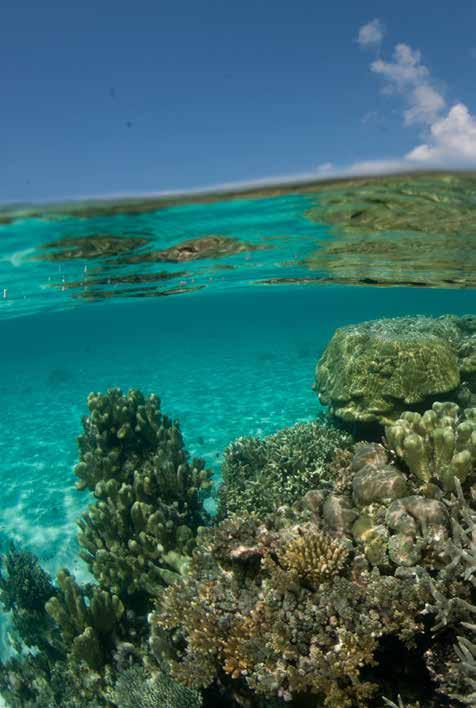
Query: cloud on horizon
pixel 448 134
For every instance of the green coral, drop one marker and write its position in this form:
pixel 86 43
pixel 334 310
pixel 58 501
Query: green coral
pixel 26 586
pixel 45 674
pixel 24 589
pixel 137 535
pixel 274 604
pixel 263 474
pixel 438 446
pixel 371 372
pixel 90 620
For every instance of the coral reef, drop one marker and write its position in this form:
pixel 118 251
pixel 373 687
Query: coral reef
pixel 136 689
pixel 329 566
pixel 371 372
pixel 286 609
pixel 92 246
pixel 438 446
pixel 137 535
pixel 453 605
pixel 262 474
pixel 90 622
pixel 26 586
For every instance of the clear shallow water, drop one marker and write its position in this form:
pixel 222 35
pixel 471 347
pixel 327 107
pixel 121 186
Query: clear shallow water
pixel 228 357
pixel 224 365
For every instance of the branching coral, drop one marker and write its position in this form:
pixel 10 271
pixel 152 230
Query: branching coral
pixel 453 605
pixel 63 628
pixel 89 622
pixel 149 496
pixel 438 446
pixel 312 557
pixel 24 590
pixel 285 608
pixel 26 585
pixel 263 474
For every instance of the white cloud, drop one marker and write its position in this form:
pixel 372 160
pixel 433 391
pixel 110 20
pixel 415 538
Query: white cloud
pixel 406 67
pixel 452 138
pixel 371 34
pixel 449 138
pixel 409 77
pixel 425 105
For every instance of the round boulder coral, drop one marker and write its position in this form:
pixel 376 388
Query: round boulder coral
pixel 371 372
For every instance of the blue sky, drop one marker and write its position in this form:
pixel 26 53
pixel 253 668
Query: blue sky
pixel 106 98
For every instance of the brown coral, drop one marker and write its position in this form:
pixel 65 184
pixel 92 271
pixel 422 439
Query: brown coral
pixel 312 556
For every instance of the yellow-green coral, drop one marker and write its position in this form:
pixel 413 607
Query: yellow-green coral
pixel 149 495
pixel 438 446
pixel 87 627
pixel 372 371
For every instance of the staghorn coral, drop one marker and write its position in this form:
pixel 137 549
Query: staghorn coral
pixel 370 372
pixel 438 446
pixel 453 605
pixel 268 602
pixel 138 534
pixel 263 474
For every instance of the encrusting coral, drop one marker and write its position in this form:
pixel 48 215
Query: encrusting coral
pixel 262 474
pixel 138 534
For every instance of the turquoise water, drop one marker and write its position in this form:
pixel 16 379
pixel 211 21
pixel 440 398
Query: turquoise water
pixel 277 226
pixel 228 355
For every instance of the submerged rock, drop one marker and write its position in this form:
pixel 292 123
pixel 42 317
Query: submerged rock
pixel 372 371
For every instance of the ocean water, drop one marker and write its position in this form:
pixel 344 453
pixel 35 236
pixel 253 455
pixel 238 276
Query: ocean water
pixel 96 297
